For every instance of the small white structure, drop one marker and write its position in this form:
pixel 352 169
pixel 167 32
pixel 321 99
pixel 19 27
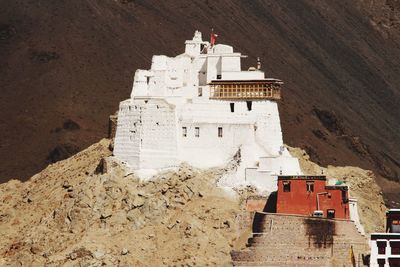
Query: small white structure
pixel 385 247
pixel 201 108
pixel 354 216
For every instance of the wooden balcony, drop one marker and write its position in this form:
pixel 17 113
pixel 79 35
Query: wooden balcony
pixel 246 90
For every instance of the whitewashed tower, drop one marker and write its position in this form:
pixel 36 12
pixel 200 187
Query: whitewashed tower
pixel 201 108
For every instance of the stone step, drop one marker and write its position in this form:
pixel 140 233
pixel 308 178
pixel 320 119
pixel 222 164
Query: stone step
pixel 277 255
pixel 304 242
pixel 299 237
pixel 290 240
pixel 280 264
pixel 298 230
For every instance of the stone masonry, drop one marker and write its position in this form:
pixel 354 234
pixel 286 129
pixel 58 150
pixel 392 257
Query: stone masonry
pixel 293 240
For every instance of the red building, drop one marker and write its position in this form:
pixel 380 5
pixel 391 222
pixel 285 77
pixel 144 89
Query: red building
pixel 309 195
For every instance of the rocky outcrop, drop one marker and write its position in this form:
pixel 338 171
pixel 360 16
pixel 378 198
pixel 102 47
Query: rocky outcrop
pixel 88 211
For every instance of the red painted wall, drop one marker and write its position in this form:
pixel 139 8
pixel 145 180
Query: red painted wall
pixel 299 201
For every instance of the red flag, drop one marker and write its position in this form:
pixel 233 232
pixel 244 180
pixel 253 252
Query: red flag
pixel 213 37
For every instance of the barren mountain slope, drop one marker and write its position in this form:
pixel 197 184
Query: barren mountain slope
pixel 65 65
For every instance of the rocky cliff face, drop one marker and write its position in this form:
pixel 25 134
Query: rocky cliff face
pixel 73 61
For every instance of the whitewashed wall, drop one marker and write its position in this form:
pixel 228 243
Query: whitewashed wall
pixel 146 134
pixel 354 215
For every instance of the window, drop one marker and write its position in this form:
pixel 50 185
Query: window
pixel 249 104
pixel 219 131
pixel 197 132
pixel 200 91
pixel 381 262
pixel 310 186
pixel 344 196
pixel 286 186
pixel 395 248
pixel 381 247
pixel 184 131
pixel 330 214
pixel 219 76
pixel 394 262
pixel 232 107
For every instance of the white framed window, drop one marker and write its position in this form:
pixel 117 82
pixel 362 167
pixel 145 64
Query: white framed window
pixel 219 131
pixel 310 186
pixel 197 132
pixel 286 186
pixel 184 131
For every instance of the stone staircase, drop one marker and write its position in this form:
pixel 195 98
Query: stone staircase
pixel 293 240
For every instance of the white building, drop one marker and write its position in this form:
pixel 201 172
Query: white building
pixel 385 247
pixel 201 108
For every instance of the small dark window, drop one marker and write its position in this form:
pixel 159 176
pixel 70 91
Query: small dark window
pixel 148 80
pixel 330 214
pixel 310 186
pixel 219 131
pixel 394 262
pixel 197 132
pixel 395 248
pixel 286 186
pixel 381 247
pixel 249 104
pixel 184 131
pixel 219 76
pixel 232 107
pixel 200 92
pixel 344 196
pixel 381 262
pixel 395 251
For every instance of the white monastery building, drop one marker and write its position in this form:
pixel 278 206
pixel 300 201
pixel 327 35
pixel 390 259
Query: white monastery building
pixel 385 247
pixel 201 108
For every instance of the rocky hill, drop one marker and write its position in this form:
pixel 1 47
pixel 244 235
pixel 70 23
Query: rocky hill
pixel 66 65
pixel 87 210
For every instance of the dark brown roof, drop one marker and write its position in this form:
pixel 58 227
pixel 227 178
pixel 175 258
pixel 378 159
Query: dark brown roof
pixel 249 81
pixel 302 177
